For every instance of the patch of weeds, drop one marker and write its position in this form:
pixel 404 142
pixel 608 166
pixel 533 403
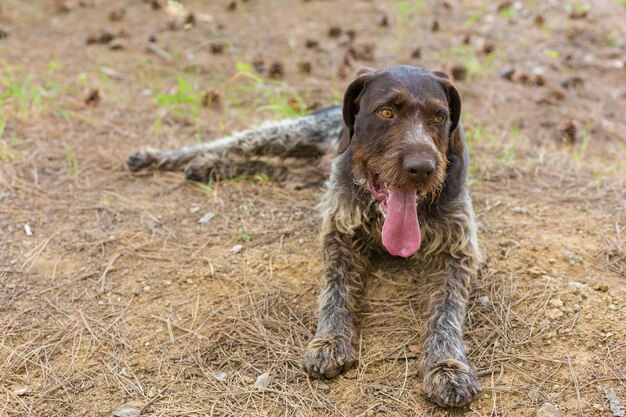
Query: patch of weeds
pixel 243 235
pixel 7 152
pixel 551 53
pixel 21 94
pixel 507 157
pixel 505 12
pixel 406 12
pixel 183 100
pixel 261 177
pixel 479 133
pixel 281 99
pixel 176 6
pixel 476 136
pixel 72 162
pixel 249 206
pixel 474 17
pixel 212 191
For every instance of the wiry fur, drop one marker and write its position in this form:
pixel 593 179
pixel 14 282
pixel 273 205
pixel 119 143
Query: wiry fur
pixel 352 220
pixel 311 135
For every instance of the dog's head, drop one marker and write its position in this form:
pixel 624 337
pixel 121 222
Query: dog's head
pixel 401 122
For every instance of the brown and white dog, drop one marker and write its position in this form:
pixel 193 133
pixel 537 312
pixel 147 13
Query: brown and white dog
pixel 397 185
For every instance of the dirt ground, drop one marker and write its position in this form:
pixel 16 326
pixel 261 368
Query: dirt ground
pixel 116 299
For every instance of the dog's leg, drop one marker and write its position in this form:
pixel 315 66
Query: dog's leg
pixel 316 133
pixel 347 247
pixel 449 379
pixel 331 351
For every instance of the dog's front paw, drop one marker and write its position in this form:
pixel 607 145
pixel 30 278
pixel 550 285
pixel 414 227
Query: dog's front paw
pixel 328 357
pixel 450 383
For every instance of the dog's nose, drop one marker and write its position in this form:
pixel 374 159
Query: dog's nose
pixel 419 169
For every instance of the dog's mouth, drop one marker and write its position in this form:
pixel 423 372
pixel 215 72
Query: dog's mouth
pixel 401 229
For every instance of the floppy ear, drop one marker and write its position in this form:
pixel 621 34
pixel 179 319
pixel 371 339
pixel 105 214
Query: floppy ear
pixel 454 106
pixel 351 106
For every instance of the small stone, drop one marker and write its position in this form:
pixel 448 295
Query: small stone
pixel 206 218
pixel 548 410
pixel 263 380
pixel 556 302
pixel 417 53
pixel 236 248
pixel 221 376
pixel 126 410
pixel 554 314
pixel 321 385
pixel 576 287
pixel 572 258
pixel 28 230
pixel 508 243
pixel 152 392
pixel 484 300
pixel 22 391
pixel 521 210
pixel 248 379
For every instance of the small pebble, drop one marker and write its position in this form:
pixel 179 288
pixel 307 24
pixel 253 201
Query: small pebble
pixel 548 410
pixel 554 314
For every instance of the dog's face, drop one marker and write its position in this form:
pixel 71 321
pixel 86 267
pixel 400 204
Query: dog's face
pixel 400 123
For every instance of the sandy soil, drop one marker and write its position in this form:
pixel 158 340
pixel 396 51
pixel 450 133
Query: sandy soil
pixel 114 294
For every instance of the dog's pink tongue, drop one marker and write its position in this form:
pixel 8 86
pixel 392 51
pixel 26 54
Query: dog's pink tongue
pixel 401 230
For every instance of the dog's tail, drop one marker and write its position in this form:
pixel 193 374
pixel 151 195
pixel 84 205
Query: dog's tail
pixel 310 135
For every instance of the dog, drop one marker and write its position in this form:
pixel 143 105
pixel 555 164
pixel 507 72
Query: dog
pixel 397 185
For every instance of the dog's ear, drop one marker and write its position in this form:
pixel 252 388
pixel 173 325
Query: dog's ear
pixel 454 106
pixel 351 106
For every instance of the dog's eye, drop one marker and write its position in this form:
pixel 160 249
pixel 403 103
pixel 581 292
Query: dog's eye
pixel 386 113
pixel 438 119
